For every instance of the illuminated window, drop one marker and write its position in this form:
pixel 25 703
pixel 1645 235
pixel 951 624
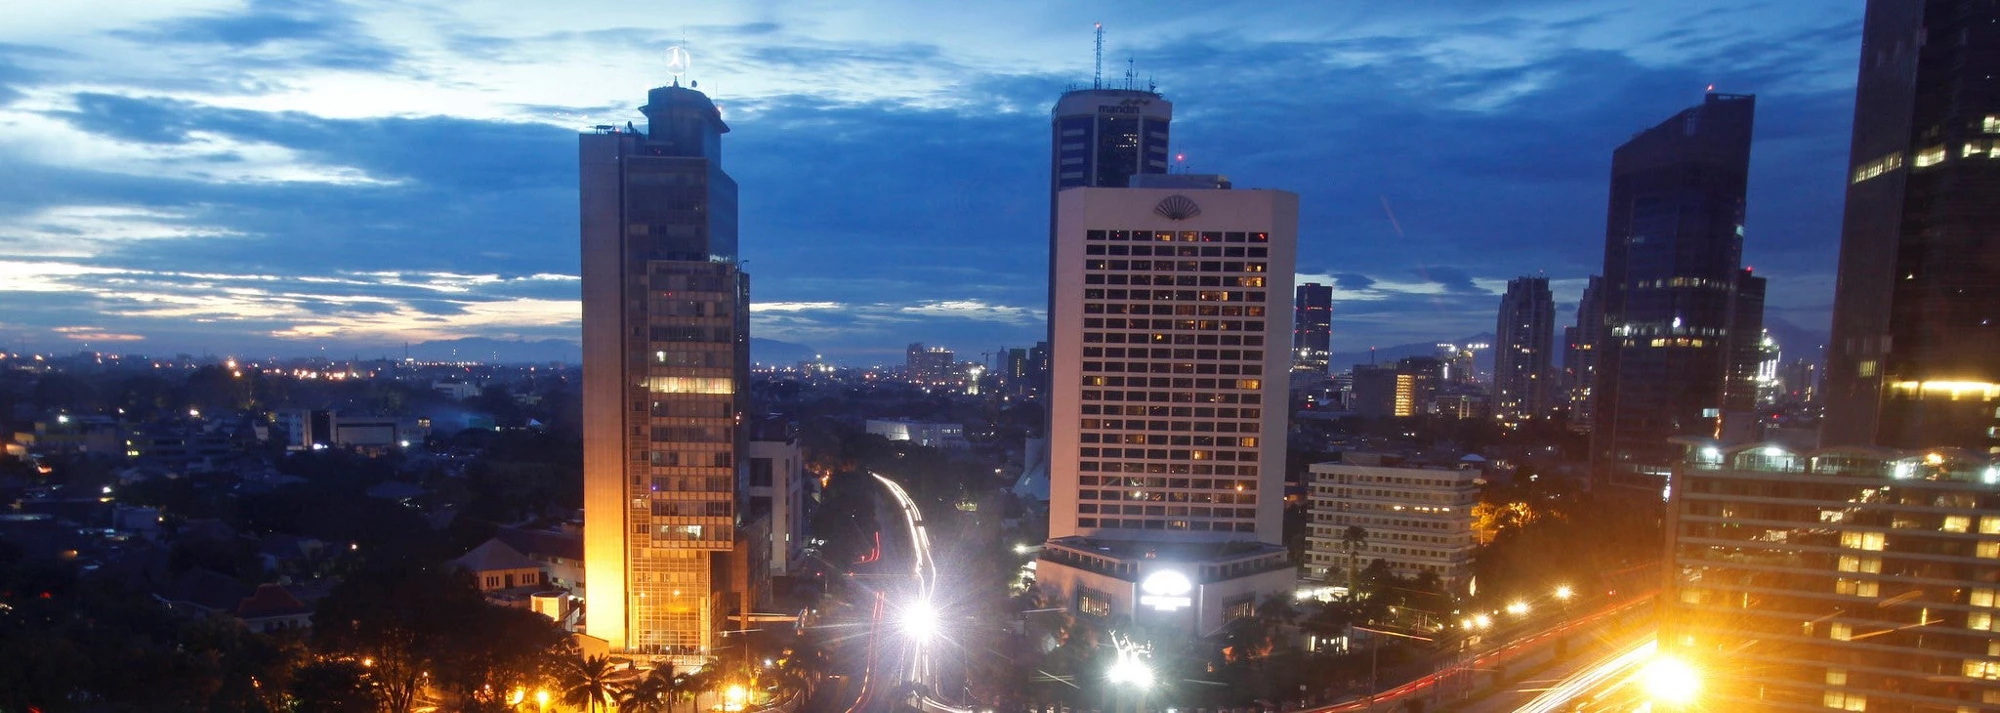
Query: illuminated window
pixel 1836 677
pixel 1991 125
pixel 1930 156
pixel 1871 541
pixel 1842 700
pixel 1851 563
pixel 1979 621
pixel 1867 368
pixel 691 385
pixel 1956 523
pixel 1982 669
pixel 1839 631
pixel 1980 598
pixel 1989 525
pixel 1877 167
pixel 1856 587
pixel 1988 550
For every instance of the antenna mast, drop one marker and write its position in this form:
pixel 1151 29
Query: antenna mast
pixel 1097 76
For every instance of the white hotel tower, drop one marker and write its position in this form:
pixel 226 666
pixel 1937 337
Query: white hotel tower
pixel 1171 325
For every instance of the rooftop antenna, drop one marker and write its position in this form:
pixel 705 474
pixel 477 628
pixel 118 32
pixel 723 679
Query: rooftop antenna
pixel 1129 83
pixel 1097 76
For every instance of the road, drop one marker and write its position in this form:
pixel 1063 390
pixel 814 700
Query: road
pixel 1457 680
pixel 1608 683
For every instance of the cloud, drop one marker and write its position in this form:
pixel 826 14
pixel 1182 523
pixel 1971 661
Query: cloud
pixel 95 334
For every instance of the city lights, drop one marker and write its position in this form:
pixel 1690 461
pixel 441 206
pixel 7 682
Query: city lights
pixel 920 620
pixel 1563 592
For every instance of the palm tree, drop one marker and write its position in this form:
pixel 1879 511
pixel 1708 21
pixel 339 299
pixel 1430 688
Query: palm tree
pixel 1354 537
pixel 590 683
pixel 648 694
pixel 689 686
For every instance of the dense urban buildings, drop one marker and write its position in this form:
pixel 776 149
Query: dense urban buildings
pixel 1852 578
pixel 1580 355
pixel 1415 517
pixel 1915 357
pixel 1312 330
pixel 1171 357
pixel 1523 380
pixel 666 362
pixel 1672 271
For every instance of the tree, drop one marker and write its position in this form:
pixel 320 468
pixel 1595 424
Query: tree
pixel 1353 537
pixel 648 694
pixel 590 682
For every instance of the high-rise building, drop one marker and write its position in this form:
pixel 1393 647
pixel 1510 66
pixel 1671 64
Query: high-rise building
pixel 1312 329
pixel 1523 382
pixel 931 366
pixel 1580 361
pixel 1101 137
pixel 1460 363
pixel 1672 262
pixel 1740 418
pixel 1851 578
pixel 665 361
pixel 1915 357
pixel 1171 360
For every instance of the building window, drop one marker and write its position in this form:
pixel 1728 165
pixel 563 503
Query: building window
pixel 1842 700
pixel 1956 523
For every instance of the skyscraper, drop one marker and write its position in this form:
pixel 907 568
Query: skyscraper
pixel 1915 356
pixel 1523 383
pixel 666 359
pixel 1102 137
pixel 1312 329
pixel 1673 250
pixel 1580 361
pixel 1170 367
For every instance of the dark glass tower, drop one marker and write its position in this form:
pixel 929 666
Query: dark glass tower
pixel 1312 329
pixel 1580 359
pixel 665 362
pixel 1522 380
pixel 1915 357
pixel 1101 138
pixel 1673 249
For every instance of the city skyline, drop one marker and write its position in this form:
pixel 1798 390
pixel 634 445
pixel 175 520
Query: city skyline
pixel 287 197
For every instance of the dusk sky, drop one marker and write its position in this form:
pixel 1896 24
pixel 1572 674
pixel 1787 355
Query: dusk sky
pixel 281 177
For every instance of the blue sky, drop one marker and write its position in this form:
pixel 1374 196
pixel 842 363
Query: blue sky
pixel 277 177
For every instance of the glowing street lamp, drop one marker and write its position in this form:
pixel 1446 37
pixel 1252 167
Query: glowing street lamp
pixel 1670 680
pixel 734 697
pixel 542 699
pixel 920 621
pixel 1518 608
pixel 1130 670
pixel 1563 592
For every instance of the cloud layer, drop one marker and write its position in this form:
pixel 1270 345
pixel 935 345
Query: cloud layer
pixel 281 177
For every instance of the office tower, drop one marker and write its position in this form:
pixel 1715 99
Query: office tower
pixel 1312 329
pixel 1171 359
pixel 665 362
pixel 931 366
pixel 1521 358
pixel 1417 514
pixel 1101 137
pixel 1746 351
pixel 1847 578
pixel 1372 391
pixel 1672 255
pixel 1038 368
pixel 1800 380
pixel 1460 363
pixel 1016 374
pixel 1770 361
pixel 1915 357
pixel 1580 361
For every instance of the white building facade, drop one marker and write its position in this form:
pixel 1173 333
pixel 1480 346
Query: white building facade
pixel 1171 346
pixel 1416 518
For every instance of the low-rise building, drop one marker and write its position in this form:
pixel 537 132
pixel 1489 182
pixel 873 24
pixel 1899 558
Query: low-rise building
pixel 777 486
pixel 1194 588
pixel 1415 517
pixel 923 433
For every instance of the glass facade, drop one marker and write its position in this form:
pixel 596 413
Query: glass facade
pixel 1918 302
pixel 1850 578
pixel 1523 383
pixel 666 324
pixel 1672 267
pixel 1312 329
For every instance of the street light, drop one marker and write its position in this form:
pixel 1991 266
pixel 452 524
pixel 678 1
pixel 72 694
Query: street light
pixel 734 697
pixel 1563 592
pixel 1671 680
pixel 1518 608
pixel 920 621
pixel 542 699
pixel 1128 670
